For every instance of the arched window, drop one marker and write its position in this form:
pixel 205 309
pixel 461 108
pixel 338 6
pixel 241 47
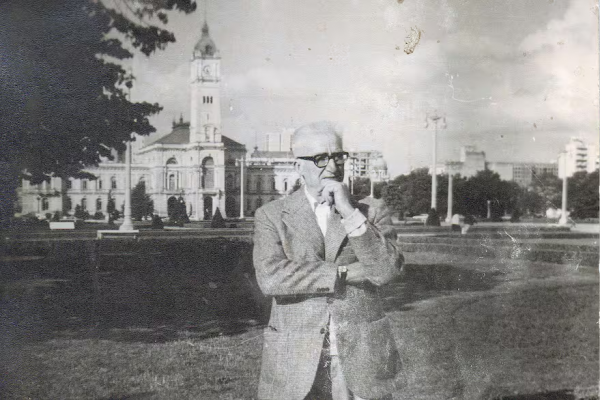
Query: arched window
pixel 68 204
pixel 84 204
pixel 172 161
pixel 259 184
pixel 248 183
pixel 273 184
pixel 98 204
pixel 84 184
pixel 172 183
pixel 113 182
pixel 69 184
pixel 208 173
pixel 45 204
pixel 99 184
pixel 285 185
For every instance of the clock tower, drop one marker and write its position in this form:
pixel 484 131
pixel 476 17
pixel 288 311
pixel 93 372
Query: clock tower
pixel 205 115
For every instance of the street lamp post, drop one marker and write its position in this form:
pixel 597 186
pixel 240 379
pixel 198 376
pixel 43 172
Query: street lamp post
pixel 127 224
pixel 563 214
pixel 435 119
pixel 449 214
pixel 242 161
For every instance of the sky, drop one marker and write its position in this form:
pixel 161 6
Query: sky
pixel 515 78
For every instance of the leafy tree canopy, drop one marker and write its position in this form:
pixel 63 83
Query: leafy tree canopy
pixel 63 89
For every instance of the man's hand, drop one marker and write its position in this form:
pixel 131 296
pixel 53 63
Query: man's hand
pixel 357 274
pixel 337 193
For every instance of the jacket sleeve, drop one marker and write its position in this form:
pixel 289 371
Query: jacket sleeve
pixel 376 249
pixel 279 276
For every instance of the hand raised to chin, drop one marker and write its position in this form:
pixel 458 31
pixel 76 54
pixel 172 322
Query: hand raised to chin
pixel 337 193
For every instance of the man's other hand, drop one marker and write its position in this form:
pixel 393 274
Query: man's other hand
pixel 357 274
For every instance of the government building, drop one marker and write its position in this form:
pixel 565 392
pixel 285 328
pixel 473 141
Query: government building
pixel 195 163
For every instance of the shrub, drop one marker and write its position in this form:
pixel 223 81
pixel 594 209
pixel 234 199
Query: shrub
pixel 217 220
pixel 433 218
pixel 99 215
pixel 516 216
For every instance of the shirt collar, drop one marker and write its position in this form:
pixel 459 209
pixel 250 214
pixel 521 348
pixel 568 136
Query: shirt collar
pixel 311 200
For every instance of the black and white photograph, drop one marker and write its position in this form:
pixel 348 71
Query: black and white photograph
pixel 315 200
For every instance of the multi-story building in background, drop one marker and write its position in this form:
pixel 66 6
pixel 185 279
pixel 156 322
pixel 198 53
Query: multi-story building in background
pixel 194 163
pixel 580 156
pixel 473 161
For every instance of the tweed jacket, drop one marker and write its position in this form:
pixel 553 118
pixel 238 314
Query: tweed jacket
pixel 297 266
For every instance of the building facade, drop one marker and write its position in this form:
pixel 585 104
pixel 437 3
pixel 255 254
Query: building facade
pixel 473 161
pixel 194 163
pixel 579 156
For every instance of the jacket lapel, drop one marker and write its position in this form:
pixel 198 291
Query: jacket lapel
pixel 335 236
pixel 300 219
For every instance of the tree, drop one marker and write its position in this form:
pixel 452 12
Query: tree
pixel 582 193
pixel 63 98
pixel 548 187
pixel 409 194
pixel 471 196
pixel 141 202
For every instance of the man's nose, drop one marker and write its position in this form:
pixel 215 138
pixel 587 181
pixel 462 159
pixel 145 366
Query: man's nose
pixel 331 165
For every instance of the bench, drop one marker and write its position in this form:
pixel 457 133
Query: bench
pixel 115 233
pixel 62 225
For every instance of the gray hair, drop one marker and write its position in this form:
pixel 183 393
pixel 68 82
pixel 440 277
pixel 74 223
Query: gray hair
pixel 303 135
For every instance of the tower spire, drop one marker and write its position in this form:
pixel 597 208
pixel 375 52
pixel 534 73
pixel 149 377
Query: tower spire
pixel 205 47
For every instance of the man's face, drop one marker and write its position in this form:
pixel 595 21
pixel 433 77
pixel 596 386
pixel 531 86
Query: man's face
pixel 314 176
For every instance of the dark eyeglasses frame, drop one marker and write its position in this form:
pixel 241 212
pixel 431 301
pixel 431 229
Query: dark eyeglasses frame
pixel 321 160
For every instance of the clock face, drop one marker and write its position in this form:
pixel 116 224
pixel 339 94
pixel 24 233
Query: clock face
pixel 206 70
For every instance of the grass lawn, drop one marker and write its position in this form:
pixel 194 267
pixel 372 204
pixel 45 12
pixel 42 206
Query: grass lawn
pixel 157 329
pixel 223 367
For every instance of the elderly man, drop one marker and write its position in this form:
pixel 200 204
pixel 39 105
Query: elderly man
pixel 322 256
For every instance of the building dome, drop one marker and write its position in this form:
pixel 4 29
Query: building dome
pixel 379 164
pixel 206 46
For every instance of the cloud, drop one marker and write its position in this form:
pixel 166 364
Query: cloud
pixel 563 63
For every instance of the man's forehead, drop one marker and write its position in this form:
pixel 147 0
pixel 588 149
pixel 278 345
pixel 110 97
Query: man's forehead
pixel 312 143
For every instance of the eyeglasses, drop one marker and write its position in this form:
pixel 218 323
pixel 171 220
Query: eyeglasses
pixel 321 160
